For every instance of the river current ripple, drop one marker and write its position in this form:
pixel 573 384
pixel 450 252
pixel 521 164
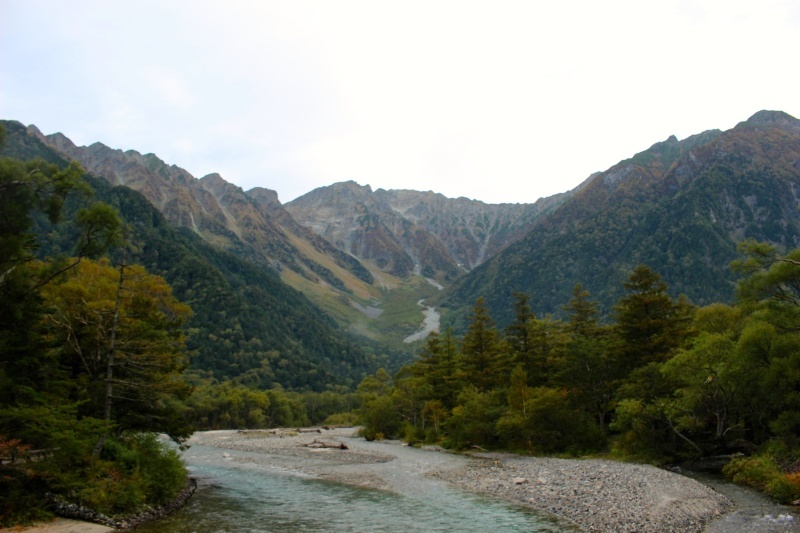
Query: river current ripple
pixel 245 491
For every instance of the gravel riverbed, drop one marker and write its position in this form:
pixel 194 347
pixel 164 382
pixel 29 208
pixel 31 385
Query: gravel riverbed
pixel 595 495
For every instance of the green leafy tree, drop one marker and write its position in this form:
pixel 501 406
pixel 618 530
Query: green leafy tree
pixel 99 317
pixel 771 341
pixel 518 332
pixel 513 425
pixel 711 376
pixel 473 420
pixel 545 337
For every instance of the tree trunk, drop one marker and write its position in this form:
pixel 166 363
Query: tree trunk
pixel 98 447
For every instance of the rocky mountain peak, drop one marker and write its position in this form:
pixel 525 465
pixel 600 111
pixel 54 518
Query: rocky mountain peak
pixel 265 197
pixel 777 118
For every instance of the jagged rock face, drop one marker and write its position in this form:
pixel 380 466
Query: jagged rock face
pixel 353 219
pixel 471 231
pixel 410 231
pixel 679 207
pixel 252 224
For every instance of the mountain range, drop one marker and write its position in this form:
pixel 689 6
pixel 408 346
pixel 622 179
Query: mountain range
pixel 366 257
pixel 343 245
pixel 680 207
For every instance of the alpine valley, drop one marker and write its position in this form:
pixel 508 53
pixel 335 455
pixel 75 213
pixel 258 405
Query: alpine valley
pixel 650 314
pixel 359 260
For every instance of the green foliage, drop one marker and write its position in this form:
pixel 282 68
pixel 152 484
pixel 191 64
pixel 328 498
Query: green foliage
pixel 485 357
pixel 93 315
pixel 229 405
pixel 21 488
pixel 58 322
pixel 763 473
pixel 380 419
pixel 650 325
pixel 473 419
pixel 134 470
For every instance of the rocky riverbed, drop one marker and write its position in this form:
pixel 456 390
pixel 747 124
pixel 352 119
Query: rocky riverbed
pixel 595 495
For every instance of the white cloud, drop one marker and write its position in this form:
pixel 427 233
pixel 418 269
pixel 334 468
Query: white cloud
pixel 501 101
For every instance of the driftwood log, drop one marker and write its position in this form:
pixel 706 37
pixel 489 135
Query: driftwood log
pixel 321 444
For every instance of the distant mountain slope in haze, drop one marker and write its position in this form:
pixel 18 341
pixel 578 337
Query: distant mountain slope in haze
pixel 679 207
pixel 407 231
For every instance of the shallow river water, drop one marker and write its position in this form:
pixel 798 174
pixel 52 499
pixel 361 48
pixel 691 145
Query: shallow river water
pixel 239 491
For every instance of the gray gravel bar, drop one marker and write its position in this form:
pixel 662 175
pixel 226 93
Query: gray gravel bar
pixel 595 495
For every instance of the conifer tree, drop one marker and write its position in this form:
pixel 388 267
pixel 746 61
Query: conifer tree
pixel 650 325
pixel 585 365
pixel 484 358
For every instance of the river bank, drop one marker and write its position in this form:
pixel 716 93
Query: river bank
pixel 60 525
pixel 593 495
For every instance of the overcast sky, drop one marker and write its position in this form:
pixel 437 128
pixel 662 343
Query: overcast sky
pixel 499 101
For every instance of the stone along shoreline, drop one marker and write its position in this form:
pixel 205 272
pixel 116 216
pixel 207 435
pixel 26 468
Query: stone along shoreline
pixel 594 495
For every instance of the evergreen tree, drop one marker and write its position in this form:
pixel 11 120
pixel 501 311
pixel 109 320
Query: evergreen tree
pixel 518 332
pixel 585 366
pixel 485 360
pixel 650 326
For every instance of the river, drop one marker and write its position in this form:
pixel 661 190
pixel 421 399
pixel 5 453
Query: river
pixel 243 491
pixel 429 324
pixel 266 483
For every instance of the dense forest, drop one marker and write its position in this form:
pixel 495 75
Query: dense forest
pixel 659 380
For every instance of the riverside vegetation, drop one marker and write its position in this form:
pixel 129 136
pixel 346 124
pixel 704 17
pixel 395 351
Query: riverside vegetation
pixel 116 328
pixel 661 381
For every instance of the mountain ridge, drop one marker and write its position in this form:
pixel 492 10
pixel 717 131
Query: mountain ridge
pixel 385 235
pixel 680 207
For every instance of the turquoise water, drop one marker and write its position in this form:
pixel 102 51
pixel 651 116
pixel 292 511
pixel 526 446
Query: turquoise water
pixel 237 495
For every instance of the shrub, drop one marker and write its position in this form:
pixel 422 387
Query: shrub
pixel 134 471
pixel 785 488
pixel 756 472
pixel 342 419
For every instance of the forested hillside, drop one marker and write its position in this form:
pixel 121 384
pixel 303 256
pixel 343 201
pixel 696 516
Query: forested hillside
pixel 679 207
pixel 246 323
pixel 115 327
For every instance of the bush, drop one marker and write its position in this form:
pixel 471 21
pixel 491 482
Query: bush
pixel 785 488
pixel 756 472
pixel 21 497
pixel 764 474
pixel 134 471
pixel 342 419
pixel 160 467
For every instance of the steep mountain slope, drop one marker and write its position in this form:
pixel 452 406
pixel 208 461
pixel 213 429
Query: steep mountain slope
pixel 471 231
pixel 254 227
pixel 680 207
pixel 357 221
pixel 408 232
pixel 247 324
pixel 343 237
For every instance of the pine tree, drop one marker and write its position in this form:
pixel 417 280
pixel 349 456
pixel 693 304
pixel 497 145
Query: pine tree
pixel 485 361
pixel 650 325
